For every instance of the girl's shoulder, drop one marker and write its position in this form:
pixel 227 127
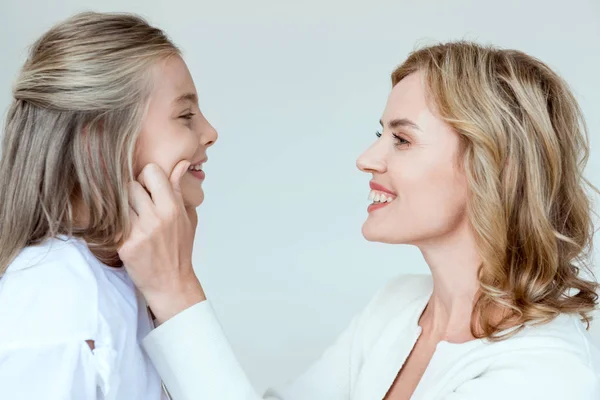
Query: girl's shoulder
pixel 50 292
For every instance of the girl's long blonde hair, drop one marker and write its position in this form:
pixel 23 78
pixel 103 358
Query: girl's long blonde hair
pixel 524 148
pixel 71 130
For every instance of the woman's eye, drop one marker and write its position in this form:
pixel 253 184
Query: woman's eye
pixel 400 139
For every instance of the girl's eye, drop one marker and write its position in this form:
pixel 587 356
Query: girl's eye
pixel 187 116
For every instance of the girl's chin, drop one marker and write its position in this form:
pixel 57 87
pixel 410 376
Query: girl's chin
pixel 194 200
pixel 192 204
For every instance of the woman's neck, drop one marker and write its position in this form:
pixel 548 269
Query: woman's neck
pixel 454 262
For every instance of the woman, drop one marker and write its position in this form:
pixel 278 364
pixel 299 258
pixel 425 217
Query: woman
pixel 100 96
pixel 479 165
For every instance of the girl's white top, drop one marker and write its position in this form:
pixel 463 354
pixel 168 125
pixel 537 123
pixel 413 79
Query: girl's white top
pixel 53 298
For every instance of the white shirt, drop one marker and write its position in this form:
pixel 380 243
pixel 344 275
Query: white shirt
pixel 53 298
pixel 555 361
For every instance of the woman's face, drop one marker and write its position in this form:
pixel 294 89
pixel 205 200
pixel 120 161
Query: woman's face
pixel 421 189
pixel 174 129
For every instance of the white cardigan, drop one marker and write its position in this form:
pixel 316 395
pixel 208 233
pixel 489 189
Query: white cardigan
pixel 555 361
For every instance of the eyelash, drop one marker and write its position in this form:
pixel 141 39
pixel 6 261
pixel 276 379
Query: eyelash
pixel 398 138
pixel 187 116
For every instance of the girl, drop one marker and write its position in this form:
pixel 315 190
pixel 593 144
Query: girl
pixel 100 96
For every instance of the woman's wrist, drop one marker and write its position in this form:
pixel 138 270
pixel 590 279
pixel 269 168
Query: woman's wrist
pixel 173 299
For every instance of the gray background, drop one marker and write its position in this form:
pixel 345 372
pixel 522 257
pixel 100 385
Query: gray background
pixel 296 90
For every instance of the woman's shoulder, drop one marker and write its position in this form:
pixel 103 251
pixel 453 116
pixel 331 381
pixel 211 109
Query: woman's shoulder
pixel 556 359
pixel 562 339
pixel 49 292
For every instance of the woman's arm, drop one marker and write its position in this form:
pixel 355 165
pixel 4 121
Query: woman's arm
pixel 158 251
pixel 189 348
pixel 194 358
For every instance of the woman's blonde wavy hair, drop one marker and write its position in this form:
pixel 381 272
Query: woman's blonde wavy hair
pixel 524 147
pixel 71 130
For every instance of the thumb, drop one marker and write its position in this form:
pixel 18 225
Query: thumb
pixel 180 169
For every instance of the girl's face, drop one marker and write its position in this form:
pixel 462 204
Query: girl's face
pixel 174 129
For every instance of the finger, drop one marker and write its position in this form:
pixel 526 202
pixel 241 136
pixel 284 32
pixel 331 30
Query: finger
pixel 133 216
pixel 139 199
pixel 178 172
pixel 133 222
pixel 158 186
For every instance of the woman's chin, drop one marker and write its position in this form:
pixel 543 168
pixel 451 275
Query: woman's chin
pixel 371 233
pixel 377 233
